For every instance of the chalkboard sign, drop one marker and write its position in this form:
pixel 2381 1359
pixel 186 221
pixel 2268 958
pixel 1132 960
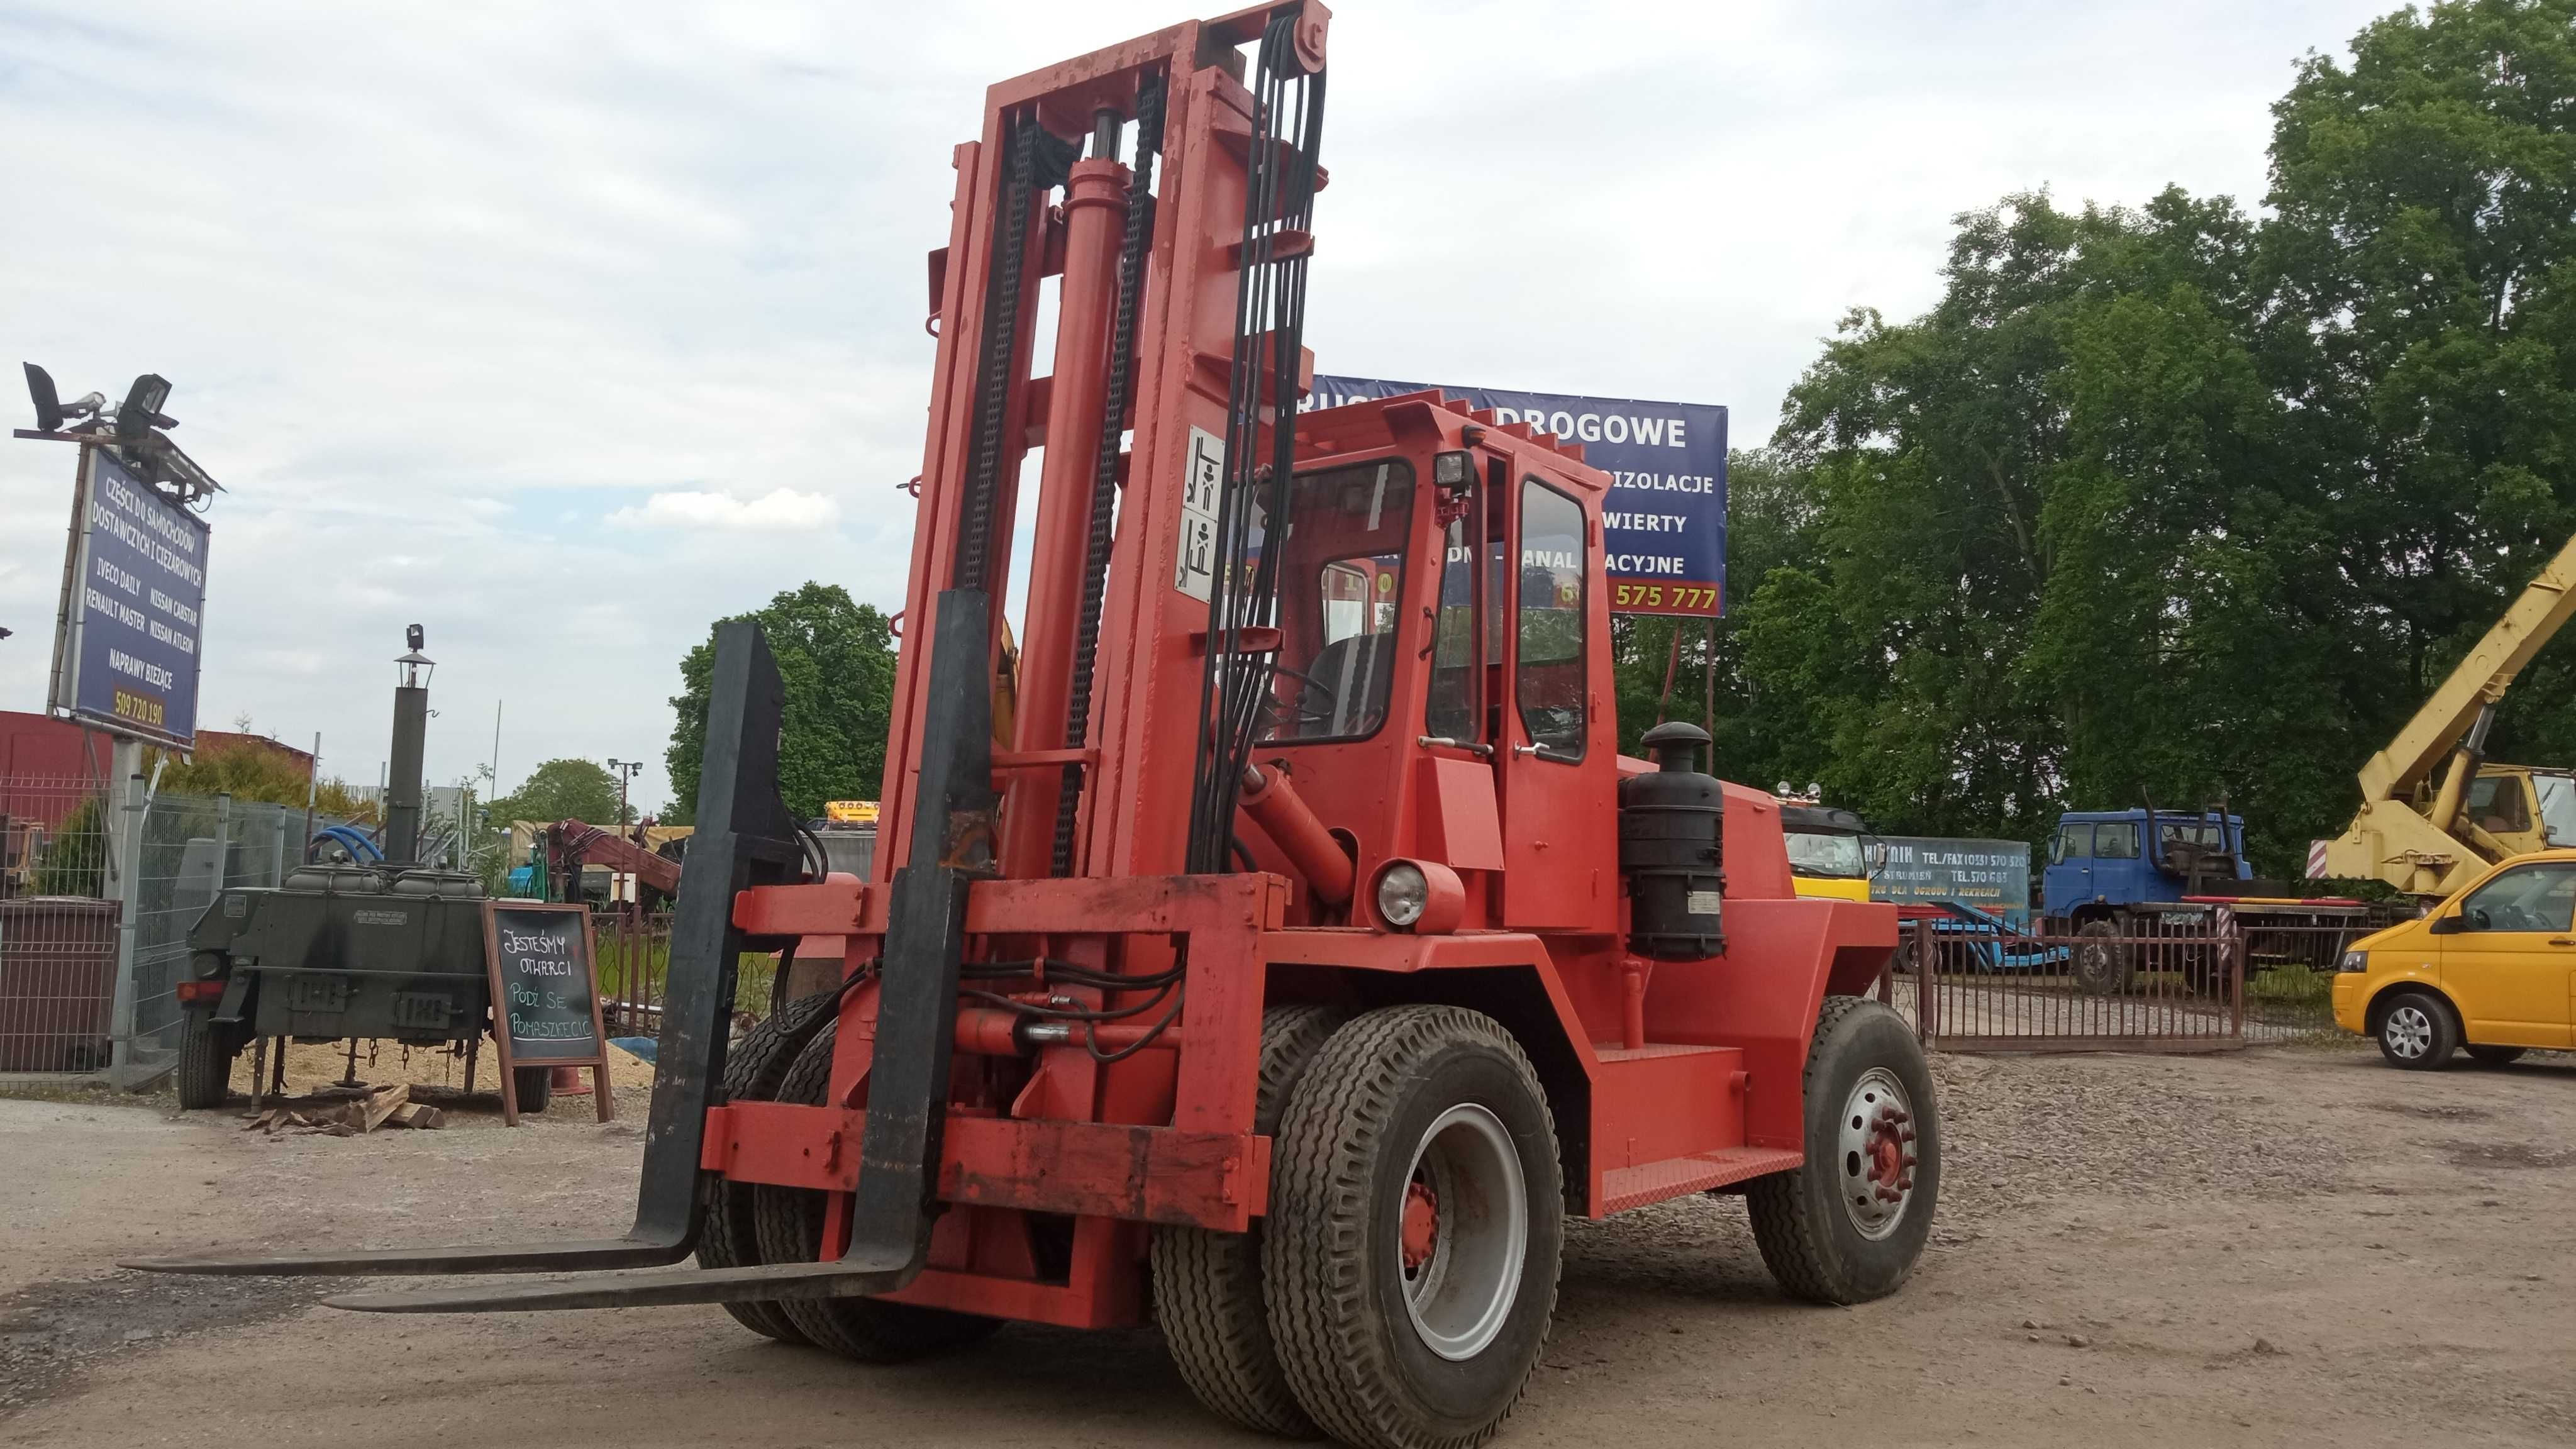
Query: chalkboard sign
pixel 545 995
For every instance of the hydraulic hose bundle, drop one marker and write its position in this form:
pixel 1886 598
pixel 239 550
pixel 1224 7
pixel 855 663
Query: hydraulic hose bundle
pixel 1270 312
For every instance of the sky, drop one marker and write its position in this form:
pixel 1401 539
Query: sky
pixel 564 330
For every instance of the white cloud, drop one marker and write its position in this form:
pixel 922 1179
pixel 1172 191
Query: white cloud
pixel 780 510
pixel 446 290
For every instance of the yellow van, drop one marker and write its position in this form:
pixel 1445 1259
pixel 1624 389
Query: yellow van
pixel 2492 969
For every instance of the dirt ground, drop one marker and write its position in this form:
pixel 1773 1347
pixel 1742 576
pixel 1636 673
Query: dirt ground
pixel 2281 1246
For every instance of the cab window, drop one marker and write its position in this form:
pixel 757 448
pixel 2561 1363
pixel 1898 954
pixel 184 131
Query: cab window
pixel 2116 840
pixel 1342 571
pixel 2497 806
pixel 2073 842
pixel 1551 681
pixel 2527 898
pixel 1456 711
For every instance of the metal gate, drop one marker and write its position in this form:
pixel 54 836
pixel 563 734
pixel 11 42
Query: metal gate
pixel 1973 987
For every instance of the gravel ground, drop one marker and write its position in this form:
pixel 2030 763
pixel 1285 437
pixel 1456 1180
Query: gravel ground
pixel 2280 1246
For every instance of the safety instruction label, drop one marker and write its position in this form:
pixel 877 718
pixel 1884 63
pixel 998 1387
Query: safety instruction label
pixel 1202 491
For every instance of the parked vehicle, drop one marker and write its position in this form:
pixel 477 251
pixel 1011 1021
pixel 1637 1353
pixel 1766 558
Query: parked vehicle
pixel 2435 811
pixel 2115 876
pixel 1832 855
pixel 2492 969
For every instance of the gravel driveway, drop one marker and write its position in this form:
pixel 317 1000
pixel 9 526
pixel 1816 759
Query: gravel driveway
pixel 2281 1246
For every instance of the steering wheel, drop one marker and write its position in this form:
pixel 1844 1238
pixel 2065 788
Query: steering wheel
pixel 1301 711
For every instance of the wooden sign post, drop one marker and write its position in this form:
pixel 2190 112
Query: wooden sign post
pixel 545 996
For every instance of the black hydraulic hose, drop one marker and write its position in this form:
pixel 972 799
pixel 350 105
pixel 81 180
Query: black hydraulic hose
pixel 1104 478
pixel 1269 307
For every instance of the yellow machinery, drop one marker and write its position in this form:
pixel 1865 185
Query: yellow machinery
pixel 2429 836
pixel 1831 852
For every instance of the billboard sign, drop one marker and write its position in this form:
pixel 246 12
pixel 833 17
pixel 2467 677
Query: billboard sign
pixel 1664 523
pixel 133 610
pixel 1992 875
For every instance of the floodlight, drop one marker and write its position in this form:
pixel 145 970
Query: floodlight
pixel 142 410
pixel 412 635
pixel 49 404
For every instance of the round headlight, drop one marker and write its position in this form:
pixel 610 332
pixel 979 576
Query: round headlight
pixel 1402 893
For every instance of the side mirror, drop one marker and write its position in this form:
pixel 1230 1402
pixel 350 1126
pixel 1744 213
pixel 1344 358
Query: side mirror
pixel 2450 925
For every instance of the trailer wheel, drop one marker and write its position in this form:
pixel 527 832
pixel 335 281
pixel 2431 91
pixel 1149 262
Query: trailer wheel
pixel 2103 965
pixel 535 1087
pixel 752 1074
pixel 205 1062
pixel 1849 1225
pixel 1207 1286
pixel 790 1225
pixel 1416 1222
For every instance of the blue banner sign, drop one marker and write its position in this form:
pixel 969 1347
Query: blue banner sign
pixel 1992 875
pixel 134 604
pixel 1664 524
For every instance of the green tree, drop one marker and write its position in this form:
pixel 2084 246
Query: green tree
pixel 2426 242
pixel 836 659
pixel 563 790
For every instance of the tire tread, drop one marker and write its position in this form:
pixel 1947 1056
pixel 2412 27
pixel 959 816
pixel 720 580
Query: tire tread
pixel 1319 1294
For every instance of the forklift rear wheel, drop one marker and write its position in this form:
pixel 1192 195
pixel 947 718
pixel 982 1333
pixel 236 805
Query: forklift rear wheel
pixel 2103 966
pixel 205 1061
pixel 753 1072
pixel 790 1225
pixel 536 1087
pixel 1416 1222
pixel 1207 1285
pixel 1849 1225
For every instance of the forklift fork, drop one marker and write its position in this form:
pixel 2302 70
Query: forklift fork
pixel 753 843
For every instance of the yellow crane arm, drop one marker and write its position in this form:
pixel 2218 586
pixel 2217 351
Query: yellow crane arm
pixel 2479 681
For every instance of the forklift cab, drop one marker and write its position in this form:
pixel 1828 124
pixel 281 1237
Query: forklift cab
pixel 1415 536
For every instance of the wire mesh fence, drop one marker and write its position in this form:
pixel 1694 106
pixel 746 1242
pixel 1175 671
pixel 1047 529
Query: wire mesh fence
pixel 97 895
pixel 59 930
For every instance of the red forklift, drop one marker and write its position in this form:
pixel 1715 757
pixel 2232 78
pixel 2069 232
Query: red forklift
pixel 1306 951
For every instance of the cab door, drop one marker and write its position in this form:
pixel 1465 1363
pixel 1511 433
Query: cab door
pixel 1560 784
pixel 2068 881
pixel 2510 960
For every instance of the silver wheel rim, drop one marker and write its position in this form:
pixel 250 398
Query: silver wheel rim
pixel 1875 1163
pixel 1462 1231
pixel 2408 1031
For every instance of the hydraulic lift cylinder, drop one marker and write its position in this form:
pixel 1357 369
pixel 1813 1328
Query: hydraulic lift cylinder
pixel 1095 216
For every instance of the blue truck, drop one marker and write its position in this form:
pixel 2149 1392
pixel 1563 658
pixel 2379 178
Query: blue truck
pixel 2118 877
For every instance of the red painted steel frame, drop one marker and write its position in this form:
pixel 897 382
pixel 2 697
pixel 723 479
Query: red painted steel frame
pixel 1665 1078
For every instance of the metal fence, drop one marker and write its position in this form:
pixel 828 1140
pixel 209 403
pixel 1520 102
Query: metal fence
pixel 2206 985
pixel 98 890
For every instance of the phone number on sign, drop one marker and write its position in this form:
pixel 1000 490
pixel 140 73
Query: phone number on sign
pixel 1663 598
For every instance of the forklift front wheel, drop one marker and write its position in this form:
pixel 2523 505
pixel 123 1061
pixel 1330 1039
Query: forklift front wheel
pixel 2104 966
pixel 1849 1225
pixel 205 1061
pixel 1416 1223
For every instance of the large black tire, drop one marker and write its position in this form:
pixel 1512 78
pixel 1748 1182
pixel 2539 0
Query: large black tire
pixel 789 1221
pixel 2496 1056
pixel 535 1087
pixel 1429 1110
pixel 753 1072
pixel 1207 1286
pixel 205 1061
pixel 1826 1231
pixel 2417 1031
pixel 2102 967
